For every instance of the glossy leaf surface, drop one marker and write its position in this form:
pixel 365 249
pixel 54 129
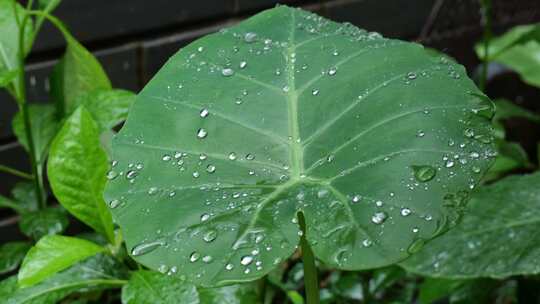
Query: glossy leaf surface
pixel 497 238
pixel 54 253
pixel 376 141
pixel 108 107
pixel 148 287
pixel 76 169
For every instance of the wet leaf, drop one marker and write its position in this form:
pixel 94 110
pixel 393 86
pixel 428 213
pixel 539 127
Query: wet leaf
pixel 497 238
pixel 290 112
pixel 48 221
pixel 95 273
pixel 11 255
pixel 76 169
pixel 54 253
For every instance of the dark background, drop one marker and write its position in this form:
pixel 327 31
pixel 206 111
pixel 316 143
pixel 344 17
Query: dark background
pixel 133 39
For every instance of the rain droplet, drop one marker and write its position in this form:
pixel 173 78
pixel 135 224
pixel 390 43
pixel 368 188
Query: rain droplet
pixel 250 157
pixel 356 198
pixel 246 260
pixel 379 217
pixel 201 133
pixel 210 236
pixel 424 173
pixel 232 156
pixel 243 64
pixel 205 217
pixel 194 256
pixel 449 164
pixel 144 248
pixel 411 75
pixel 207 259
pixel 114 203
pixel 229 266
pixel 131 174
pixel 227 72
pixel 152 190
pixel 405 211
pixel 210 168
pixel 332 71
pixel 314 92
pixel 204 113
pixel 367 243
pixel 111 175
pixel 250 37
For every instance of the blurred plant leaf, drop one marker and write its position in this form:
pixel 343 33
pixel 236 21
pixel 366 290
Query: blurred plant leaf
pixel 44 128
pixel 77 73
pixel 8 203
pixel 433 289
pixel 519 49
pixel 497 238
pixel 48 221
pixel 510 156
pixel 149 287
pixel 7 76
pixel 10 10
pixel 245 293
pixel 11 255
pixel 51 254
pixel 48 5
pixel 95 273
pixel 24 193
pixel 77 167
pixel 108 107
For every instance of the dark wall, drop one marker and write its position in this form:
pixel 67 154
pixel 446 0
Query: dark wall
pixel 132 39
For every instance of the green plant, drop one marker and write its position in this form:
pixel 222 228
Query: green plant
pixel 287 137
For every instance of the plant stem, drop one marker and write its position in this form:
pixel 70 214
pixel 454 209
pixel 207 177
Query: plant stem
pixel 486 22
pixel 310 269
pixel 15 172
pixel 23 107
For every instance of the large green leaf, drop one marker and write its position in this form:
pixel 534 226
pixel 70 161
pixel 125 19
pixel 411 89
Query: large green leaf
pixel 44 127
pixel 497 238
pixel 108 107
pixel 78 72
pixel 519 49
pixel 376 141
pixel 11 255
pixel 95 273
pixel 39 223
pixel 54 253
pixel 76 169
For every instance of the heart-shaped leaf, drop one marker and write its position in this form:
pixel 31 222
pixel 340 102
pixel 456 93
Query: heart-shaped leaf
pixel 497 238
pixel 376 141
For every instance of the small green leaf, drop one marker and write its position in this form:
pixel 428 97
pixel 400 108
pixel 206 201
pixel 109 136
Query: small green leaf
pixel 288 112
pixel 147 287
pixel 77 73
pixel 7 76
pixel 95 273
pixel 433 289
pixel 232 294
pixel 10 10
pixel 507 109
pixel 11 255
pixel 49 221
pixel 518 49
pixel 497 238
pixel 108 107
pixel 77 167
pixel 51 254
pixel 24 193
pixel 44 127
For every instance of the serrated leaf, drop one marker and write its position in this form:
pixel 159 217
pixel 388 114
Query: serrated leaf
pixel 77 73
pixel 374 140
pixel 108 107
pixel 44 126
pixel 54 253
pixel 95 273
pixel 147 287
pixel 76 169
pixel 48 221
pixel 497 238
pixel 11 255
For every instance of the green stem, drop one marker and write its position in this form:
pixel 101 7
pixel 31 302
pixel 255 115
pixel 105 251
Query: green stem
pixel 486 19
pixel 310 269
pixel 23 107
pixel 16 172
